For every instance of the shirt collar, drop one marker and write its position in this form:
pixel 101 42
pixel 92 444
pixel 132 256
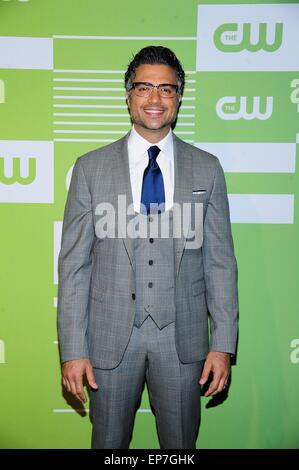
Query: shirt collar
pixel 138 146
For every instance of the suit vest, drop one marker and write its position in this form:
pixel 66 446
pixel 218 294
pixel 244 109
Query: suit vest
pixel 154 270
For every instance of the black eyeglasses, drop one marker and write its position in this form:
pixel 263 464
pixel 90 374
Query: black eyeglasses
pixel 145 89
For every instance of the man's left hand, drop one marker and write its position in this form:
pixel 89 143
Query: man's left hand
pixel 219 364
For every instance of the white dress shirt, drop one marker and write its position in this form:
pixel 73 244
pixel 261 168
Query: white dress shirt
pixel 138 161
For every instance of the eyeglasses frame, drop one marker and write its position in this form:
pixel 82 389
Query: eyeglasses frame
pixel 156 86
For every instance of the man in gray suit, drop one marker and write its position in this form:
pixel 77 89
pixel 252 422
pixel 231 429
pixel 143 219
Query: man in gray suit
pixel 134 305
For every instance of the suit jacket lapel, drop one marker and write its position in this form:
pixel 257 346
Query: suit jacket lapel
pixel 182 190
pixel 122 183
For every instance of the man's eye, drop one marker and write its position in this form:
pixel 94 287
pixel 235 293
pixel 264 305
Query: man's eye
pixel 166 90
pixel 142 88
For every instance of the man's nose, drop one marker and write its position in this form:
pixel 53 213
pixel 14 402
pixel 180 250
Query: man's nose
pixel 155 96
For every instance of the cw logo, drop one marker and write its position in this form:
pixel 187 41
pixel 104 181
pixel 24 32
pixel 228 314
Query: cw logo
pixel 229 38
pixel 228 109
pixel 2 92
pixel 16 172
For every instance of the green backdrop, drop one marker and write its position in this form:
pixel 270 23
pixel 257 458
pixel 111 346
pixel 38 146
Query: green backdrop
pixel 61 95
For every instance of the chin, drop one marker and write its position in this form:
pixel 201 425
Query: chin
pixel 156 125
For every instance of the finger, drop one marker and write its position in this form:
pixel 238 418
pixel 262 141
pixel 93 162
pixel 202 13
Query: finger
pixel 81 397
pixel 226 382
pixel 72 384
pixel 79 390
pixel 220 387
pixel 67 385
pixel 205 374
pixel 212 389
pixel 91 378
pixel 217 377
pixel 214 385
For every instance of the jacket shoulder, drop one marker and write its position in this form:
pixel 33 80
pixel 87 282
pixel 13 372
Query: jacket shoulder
pixel 102 155
pixel 200 157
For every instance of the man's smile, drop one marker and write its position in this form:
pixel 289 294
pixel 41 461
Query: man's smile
pixel 153 111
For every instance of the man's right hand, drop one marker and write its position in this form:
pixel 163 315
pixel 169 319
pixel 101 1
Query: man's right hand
pixel 72 377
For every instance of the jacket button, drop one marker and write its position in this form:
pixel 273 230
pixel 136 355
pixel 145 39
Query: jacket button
pixel 151 240
pixel 150 284
pixel 133 296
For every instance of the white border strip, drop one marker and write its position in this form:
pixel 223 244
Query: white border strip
pixel 103 106
pixel 261 208
pixel 87 71
pixel 120 131
pixel 92 80
pixel 87 97
pixel 252 157
pixel 116 115
pixel 84 140
pixel 106 123
pixel 130 38
pixel 187 72
pixel 26 53
pixel 77 88
pixel 92 123
pixel 100 80
pixel 100 140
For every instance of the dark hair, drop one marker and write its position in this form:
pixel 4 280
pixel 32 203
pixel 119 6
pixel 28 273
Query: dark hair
pixel 155 55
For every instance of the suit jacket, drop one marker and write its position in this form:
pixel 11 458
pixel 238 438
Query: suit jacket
pixel 96 294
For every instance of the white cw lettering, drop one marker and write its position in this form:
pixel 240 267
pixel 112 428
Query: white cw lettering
pixel 228 109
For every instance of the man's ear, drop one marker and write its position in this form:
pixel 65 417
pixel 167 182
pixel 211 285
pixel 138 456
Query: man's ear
pixel 128 99
pixel 179 101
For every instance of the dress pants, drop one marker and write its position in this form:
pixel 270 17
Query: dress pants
pixel 173 388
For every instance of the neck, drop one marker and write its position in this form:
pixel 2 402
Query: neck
pixel 152 135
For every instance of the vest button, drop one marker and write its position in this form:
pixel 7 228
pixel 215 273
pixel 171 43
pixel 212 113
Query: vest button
pixel 133 296
pixel 150 262
pixel 150 284
pixel 151 240
pixel 150 219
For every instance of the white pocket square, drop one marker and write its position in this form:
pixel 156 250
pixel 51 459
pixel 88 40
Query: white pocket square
pixel 199 191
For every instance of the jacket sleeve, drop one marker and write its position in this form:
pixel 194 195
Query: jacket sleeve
pixel 220 268
pixel 74 268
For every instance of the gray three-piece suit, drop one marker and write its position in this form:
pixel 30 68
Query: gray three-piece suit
pixel 138 307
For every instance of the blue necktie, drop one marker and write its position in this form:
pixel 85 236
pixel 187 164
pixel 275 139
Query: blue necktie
pixel 153 184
